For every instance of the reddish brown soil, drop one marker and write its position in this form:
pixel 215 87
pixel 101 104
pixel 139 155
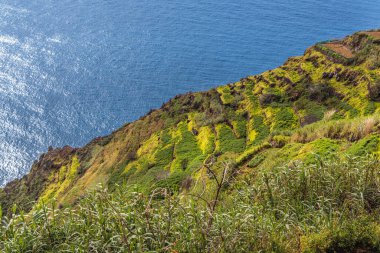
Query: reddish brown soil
pixel 339 48
pixel 376 34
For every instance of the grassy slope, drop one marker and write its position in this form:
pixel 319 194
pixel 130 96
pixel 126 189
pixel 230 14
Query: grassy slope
pixel 329 206
pixel 319 103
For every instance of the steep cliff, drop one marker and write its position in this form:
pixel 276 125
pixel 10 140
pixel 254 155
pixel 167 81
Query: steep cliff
pixel 325 102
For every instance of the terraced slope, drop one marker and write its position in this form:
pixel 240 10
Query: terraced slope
pixel 325 102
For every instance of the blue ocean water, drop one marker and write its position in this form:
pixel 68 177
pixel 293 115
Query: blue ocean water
pixel 71 70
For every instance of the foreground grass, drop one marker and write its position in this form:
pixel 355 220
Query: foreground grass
pixel 331 206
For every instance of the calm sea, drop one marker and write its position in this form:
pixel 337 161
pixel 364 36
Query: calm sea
pixel 71 70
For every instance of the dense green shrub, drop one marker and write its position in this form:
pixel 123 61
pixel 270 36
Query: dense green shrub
pixel 261 129
pixel 227 141
pixel 255 161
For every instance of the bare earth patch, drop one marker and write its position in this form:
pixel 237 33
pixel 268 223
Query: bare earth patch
pixel 376 34
pixel 339 48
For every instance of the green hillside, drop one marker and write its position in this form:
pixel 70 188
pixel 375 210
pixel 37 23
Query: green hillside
pixel 284 161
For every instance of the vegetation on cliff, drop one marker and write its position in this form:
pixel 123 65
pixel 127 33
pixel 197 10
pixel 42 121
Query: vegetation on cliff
pixel 284 161
pixel 329 206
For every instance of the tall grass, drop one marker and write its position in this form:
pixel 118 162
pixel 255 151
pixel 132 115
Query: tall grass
pixel 349 129
pixel 331 206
